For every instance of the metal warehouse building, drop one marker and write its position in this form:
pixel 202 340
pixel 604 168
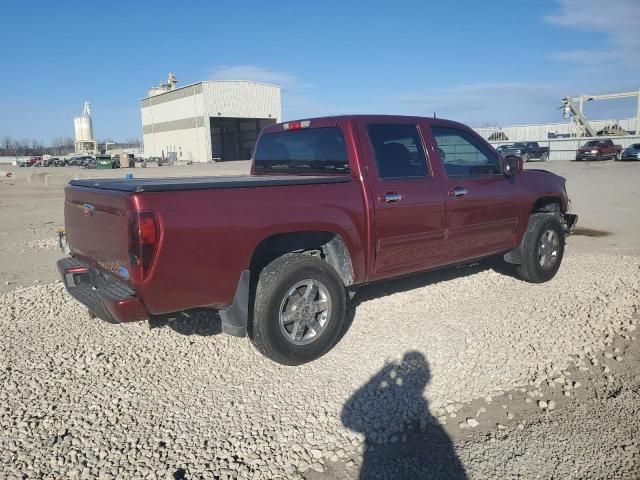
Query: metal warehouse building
pixel 546 131
pixel 209 120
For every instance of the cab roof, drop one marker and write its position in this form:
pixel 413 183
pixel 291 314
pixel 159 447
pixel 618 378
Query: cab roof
pixel 332 121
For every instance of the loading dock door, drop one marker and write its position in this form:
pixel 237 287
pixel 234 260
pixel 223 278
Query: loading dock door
pixel 234 138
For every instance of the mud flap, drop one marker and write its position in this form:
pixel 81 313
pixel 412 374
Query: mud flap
pixel 234 319
pixel 569 222
pixel 514 256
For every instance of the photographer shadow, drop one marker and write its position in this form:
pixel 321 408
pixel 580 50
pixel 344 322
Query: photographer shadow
pixel 402 439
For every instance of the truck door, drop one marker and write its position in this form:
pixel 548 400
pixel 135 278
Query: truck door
pixel 483 206
pixel 408 201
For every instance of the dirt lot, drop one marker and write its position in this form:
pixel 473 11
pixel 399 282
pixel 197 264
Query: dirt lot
pixel 463 373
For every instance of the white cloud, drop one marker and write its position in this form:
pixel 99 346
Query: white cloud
pixel 617 20
pixel 255 73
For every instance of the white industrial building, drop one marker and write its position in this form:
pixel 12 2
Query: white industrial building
pixel 208 120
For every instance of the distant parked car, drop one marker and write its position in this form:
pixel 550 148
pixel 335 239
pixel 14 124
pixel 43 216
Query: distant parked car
pixel 82 161
pixel 599 150
pixel 77 161
pixel 632 152
pixel 528 151
pixel 31 162
pixel 502 148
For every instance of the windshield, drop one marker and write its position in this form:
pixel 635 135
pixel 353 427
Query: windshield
pixel 519 145
pixel 314 150
pixel 594 143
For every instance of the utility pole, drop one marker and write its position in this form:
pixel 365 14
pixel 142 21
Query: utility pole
pixel 581 104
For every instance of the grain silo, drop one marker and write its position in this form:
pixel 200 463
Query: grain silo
pixel 85 143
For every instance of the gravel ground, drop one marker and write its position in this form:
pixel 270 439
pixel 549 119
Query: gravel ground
pixel 50 243
pixel 562 445
pixel 81 397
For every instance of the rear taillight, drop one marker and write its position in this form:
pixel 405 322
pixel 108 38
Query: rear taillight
pixel 143 243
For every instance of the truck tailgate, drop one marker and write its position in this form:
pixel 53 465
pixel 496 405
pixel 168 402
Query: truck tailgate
pixel 96 227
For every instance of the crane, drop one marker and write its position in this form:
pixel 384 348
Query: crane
pixel 576 113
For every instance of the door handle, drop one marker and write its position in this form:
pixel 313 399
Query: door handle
pixel 458 192
pixel 392 197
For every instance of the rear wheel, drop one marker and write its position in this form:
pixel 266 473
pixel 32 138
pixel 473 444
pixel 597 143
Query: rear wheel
pixel 616 157
pixel 542 248
pixel 299 309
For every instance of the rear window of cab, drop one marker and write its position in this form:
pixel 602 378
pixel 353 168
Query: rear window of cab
pixel 305 150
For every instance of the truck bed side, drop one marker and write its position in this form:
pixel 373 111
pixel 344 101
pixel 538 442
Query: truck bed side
pixel 209 236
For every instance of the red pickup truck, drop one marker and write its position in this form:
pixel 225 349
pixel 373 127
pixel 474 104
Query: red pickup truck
pixel 599 150
pixel 331 204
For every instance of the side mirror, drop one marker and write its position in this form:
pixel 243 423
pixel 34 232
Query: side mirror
pixel 512 165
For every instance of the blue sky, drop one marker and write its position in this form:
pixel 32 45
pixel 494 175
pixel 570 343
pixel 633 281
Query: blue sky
pixel 491 62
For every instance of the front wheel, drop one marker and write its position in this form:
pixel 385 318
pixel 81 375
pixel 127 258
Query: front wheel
pixel 544 157
pixel 542 248
pixel 299 309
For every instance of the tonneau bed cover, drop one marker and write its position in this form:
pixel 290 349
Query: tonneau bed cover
pixel 204 183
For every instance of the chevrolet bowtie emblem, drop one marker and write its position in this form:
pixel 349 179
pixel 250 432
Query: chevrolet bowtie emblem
pixel 88 209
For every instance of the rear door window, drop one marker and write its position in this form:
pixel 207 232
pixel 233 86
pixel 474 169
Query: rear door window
pixel 307 150
pixel 398 150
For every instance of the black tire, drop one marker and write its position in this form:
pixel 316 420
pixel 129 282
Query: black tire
pixel 275 282
pixel 544 157
pixel 531 270
pixel 525 157
pixel 616 157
